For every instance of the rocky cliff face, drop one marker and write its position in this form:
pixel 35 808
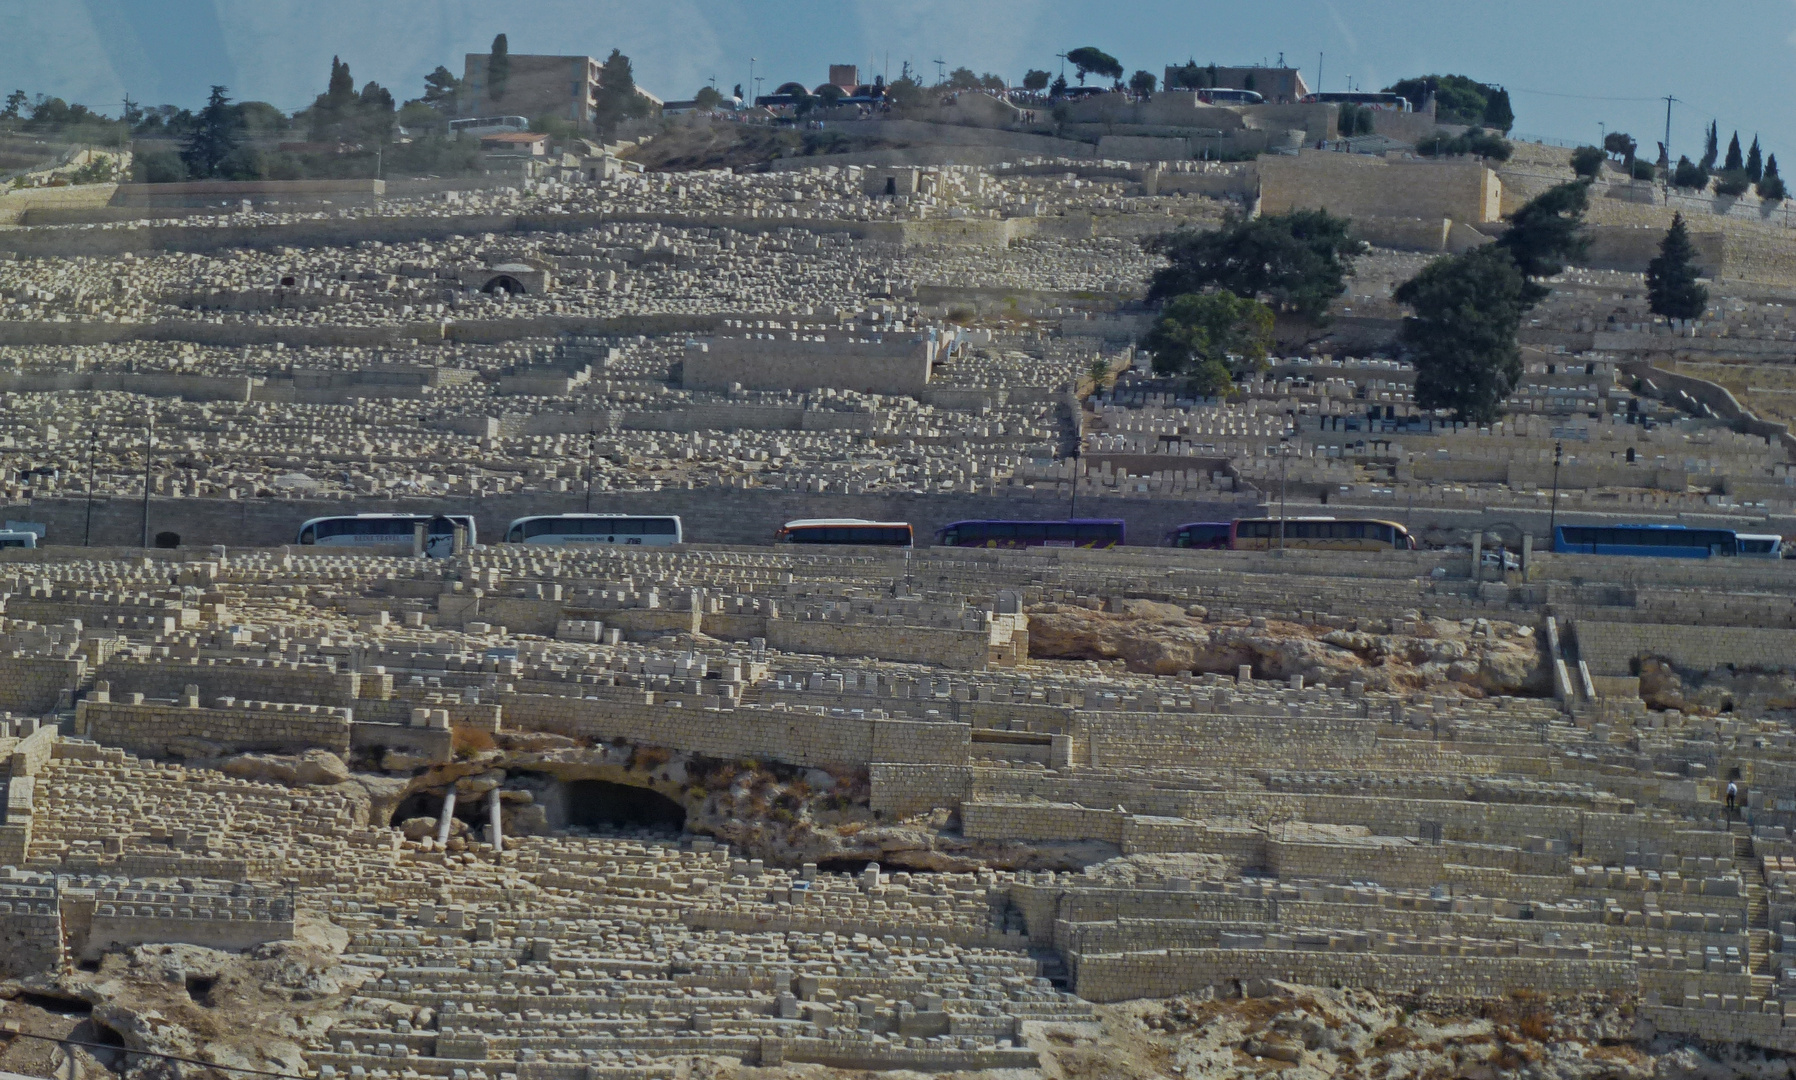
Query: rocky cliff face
pixel 1474 658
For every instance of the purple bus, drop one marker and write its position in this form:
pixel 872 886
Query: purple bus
pixel 1081 533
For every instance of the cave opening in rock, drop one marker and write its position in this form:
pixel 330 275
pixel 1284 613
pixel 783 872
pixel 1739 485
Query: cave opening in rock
pixel 470 810
pixel 603 805
pixel 103 1043
pixel 854 864
pixel 848 865
pixel 199 988
pixel 56 1003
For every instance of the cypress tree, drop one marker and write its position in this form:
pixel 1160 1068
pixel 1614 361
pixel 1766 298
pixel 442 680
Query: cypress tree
pixel 1734 162
pixel 498 68
pixel 1711 147
pixel 1755 162
pixel 1771 185
pixel 340 93
pixel 1671 277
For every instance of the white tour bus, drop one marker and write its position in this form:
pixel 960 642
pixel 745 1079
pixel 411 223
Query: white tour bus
pixel 18 538
pixel 567 529
pixel 391 530
pixel 1759 545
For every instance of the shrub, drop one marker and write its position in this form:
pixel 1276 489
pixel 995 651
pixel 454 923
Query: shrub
pixel 1732 182
pixel 1588 160
pixel 1475 141
pixel 1689 175
pixel 1643 170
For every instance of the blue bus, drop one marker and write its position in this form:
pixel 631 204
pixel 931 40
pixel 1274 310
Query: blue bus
pixel 1661 541
pixel 1080 532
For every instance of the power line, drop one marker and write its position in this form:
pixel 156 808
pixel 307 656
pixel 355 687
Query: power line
pixel 1580 97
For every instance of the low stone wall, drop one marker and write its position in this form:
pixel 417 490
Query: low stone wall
pixel 253 679
pixel 797 738
pixel 30 930
pixel 165 729
pixel 36 684
pixel 109 933
pixel 1610 648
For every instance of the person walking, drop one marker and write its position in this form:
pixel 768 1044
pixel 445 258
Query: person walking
pixel 1733 796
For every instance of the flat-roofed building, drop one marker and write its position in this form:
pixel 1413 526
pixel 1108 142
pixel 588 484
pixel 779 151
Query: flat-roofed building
pixel 534 86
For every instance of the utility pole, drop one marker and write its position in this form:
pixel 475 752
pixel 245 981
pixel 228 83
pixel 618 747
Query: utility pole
pixel 1665 181
pixel 941 71
pixel 1062 65
pixel 751 82
pixel 149 445
pixel 1553 514
pixel 1319 58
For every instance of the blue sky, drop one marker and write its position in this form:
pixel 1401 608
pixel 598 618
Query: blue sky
pixel 1569 64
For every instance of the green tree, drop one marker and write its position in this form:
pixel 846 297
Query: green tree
pixel 332 115
pixel 617 97
pixel 1458 100
pixel 498 68
pixel 1621 145
pixel 1588 160
pixel 1462 337
pixel 1209 338
pixel 441 88
pixel 1732 182
pixel 1142 82
pixel 1544 234
pixel 1035 80
pixel 1711 147
pixel 1059 87
pixel 375 114
pixel 15 101
pixel 1498 113
pixel 214 136
pixel 1771 185
pixel 905 93
pixel 828 95
pixel 1475 141
pixel 1734 162
pixel 707 99
pixel 261 118
pixel 963 78
pixel 417 118
pixel 1671 284
pixel 1090 60
pixel 1755 162
pixel 1298 262
pixel 1689 175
